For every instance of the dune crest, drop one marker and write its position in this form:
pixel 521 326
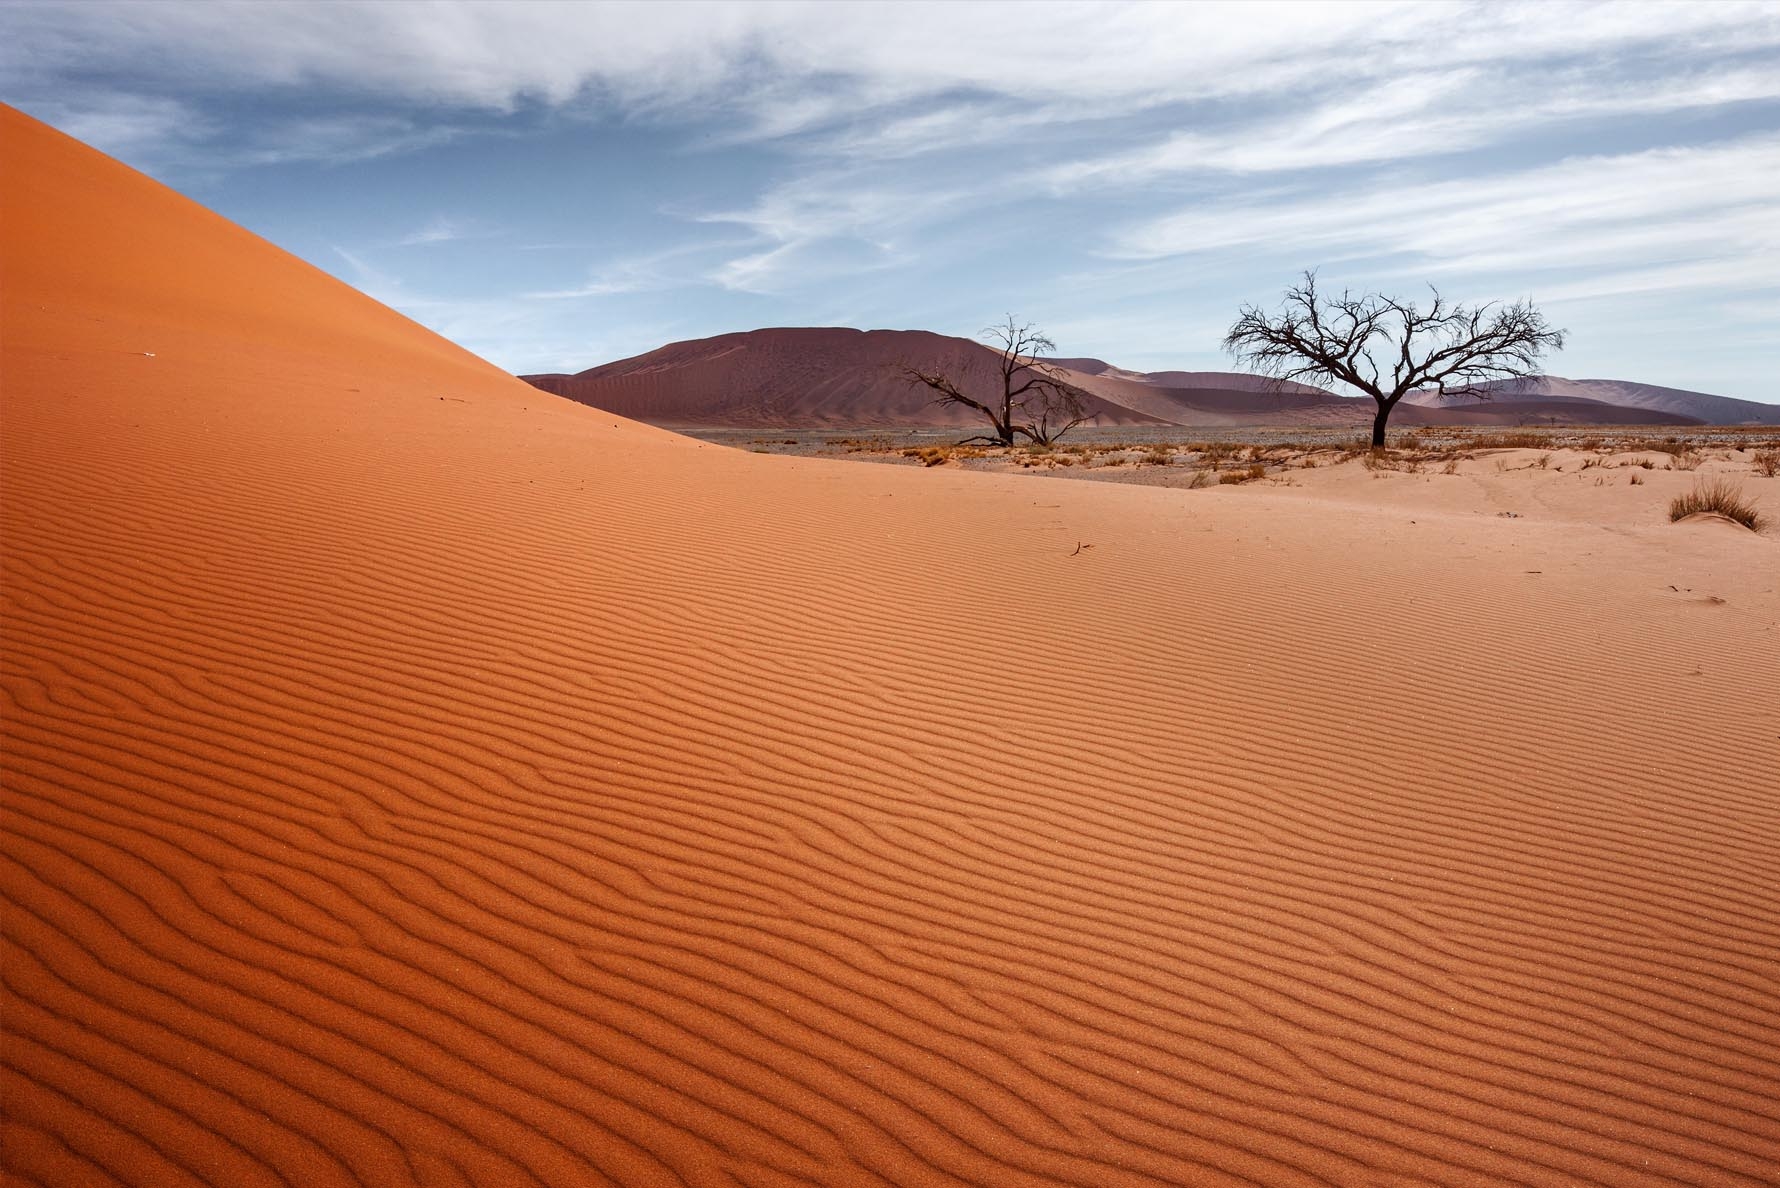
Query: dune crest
pixel 410 777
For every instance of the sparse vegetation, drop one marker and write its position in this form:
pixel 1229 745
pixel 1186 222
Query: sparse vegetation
pixel 937 455
pixel 1511 441
pixel 1717 495
pixel 1246 475
pixel 1424 451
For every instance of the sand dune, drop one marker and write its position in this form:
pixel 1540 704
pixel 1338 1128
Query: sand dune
pixel 798 377
pixel 1581 399
pixel 410 778
pixel 809 378
pixel 1229 381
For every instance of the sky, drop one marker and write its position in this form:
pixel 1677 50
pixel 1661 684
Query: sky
pixel 558 185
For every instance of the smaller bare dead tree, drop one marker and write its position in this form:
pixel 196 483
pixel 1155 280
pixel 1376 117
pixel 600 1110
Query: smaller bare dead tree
pixel 1388 348
pixel 1034 403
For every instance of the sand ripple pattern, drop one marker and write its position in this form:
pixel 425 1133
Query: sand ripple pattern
pixel 431 783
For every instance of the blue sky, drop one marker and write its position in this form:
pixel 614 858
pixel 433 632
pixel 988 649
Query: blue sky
pixel 558 185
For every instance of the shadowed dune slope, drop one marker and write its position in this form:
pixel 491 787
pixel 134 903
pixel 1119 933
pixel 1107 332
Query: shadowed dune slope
pixel 1229 381
pixel 799 377
pixel 1583 398
pixel 409 779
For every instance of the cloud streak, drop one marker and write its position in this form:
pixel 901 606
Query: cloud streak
pixel 787 70
pixel 1709 207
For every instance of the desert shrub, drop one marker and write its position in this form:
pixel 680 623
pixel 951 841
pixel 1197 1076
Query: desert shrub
pixel 1717 495
pixel 1201 478
pixel 1672 446
pixel 1510 441
pixel 1767 462
pixel 1248 475
pixel 1637 479
pixel 1685 460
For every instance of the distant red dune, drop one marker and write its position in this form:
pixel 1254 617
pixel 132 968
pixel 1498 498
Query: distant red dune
pixel 798 377
pixel 812 378
pixel 1588 400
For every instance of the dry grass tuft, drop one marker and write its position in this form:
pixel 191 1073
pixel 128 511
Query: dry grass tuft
pixel 1232 477
pixel 1767 463
pixel 939 455
pixel 1717 495
pixel 1509 441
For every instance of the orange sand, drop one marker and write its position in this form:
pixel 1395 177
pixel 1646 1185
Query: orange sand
pixel 410 777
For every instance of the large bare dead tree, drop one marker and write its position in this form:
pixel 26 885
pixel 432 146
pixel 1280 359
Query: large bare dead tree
pixel 1034 403
pixel 1388 348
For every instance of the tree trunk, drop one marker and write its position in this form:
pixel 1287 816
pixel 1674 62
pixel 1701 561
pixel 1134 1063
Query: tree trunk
pixel 1384 414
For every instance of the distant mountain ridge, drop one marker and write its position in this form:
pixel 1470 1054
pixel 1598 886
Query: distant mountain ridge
pixel 1551 389
pixel 836 377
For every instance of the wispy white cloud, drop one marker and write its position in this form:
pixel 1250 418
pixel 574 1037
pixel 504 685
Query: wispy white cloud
pixel 783 70
pixel 441 229
pixel 682 264
pixel 820 225
pixel 1416 116
pixel 1679 217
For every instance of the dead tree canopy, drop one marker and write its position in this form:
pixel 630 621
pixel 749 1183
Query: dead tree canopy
pixel 1034 402
pixel 1388 348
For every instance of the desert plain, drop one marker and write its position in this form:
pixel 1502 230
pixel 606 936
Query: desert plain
pixel 413 777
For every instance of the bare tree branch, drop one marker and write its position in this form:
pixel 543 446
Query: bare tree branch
pixel 1446 347
pixel 1034 401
